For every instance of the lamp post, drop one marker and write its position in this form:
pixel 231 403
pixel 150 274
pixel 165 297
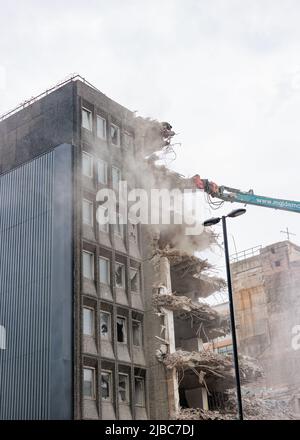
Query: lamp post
pixel 211 222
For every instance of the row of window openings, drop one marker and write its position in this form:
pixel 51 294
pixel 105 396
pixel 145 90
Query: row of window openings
pixel 102 170
pixel 104 272
pixel 88 219
pixel 89 387
pixel 87 123
pixel 105 327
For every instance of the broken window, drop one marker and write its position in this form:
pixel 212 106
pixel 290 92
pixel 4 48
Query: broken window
pixel 120 275
pixel 106 385
pixel 88 321
pixel 88 265
pixel 104 270
pixel 137 333
pixel 115 134
pixel 87 165
pixel 105 325
pixel 102 171
pixel 139 388
pixel 87 119
pixel 116 177
pixel 134 280
pixel 123 388
pixel 87 212
pixel 101 127
pixel 121 330
pixel 89 383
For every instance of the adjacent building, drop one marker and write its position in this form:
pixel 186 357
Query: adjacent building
pixel 266 284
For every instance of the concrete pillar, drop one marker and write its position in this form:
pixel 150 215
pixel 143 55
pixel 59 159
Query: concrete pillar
pixel 172 377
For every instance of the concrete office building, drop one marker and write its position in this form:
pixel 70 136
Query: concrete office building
pixel 84 339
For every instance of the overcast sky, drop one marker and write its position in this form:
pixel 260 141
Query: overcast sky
pixel 226 74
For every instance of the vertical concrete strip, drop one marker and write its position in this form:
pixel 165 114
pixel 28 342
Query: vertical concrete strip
pixel 172 379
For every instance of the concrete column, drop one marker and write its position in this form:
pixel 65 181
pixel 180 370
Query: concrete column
pixel 172 378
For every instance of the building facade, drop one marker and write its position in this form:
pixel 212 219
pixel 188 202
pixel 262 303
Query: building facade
pixel 93 312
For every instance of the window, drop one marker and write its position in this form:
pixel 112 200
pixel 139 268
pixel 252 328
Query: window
pixel 115 134
pixel 277 263
pixel 106 385
pixel 88 321
pixel 133 231
pixel 120 275
pixel 88 265
pixel 104 227
pixel 104 270
pixel 121 330
pixel 128 142
pixel 87 212
pixel 105 325
pixel 139 388
pixel 134 280
pixel 137 333
pixel 102 172
pixel 89 383
pixel 101 127
pixel 116 177
pixel 123 388
pixel 87 165
pixel 87 119
pixel 119 226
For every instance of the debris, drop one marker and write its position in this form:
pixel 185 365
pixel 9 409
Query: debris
pixel 213 364
pixel 198 313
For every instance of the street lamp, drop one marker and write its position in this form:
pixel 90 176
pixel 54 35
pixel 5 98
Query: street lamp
pixel 211 222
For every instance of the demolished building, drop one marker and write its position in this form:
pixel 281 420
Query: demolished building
pixel 106 315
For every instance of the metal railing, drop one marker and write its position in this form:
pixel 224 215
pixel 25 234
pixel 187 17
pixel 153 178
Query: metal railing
pixel 28 102
pixel 247 253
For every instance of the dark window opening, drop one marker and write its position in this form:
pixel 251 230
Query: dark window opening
pixel 121 330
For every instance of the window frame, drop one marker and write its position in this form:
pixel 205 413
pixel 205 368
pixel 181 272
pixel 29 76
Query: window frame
pixel 110 374
pixel 119 227
pixel 92 322
pixel 140 333
pixel 106 172
pixel 87 201
pixel 84 153
pixel 103 227
pixel 139 280
pixel 93 397
pixel 109 332
pixel 84 109
pixel 114 167
pixel 108 270
pixel 125 342
pixel 112 125
pixel 104 120
pixel 127 392
pixel 123 275
pixel 142 379
pixel 92 255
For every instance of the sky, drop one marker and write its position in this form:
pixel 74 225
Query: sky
pixel 225 74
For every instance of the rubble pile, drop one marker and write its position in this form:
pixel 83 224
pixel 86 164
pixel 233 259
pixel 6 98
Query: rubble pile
pixel 211 363
pixel 201 414
pixel 260 408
